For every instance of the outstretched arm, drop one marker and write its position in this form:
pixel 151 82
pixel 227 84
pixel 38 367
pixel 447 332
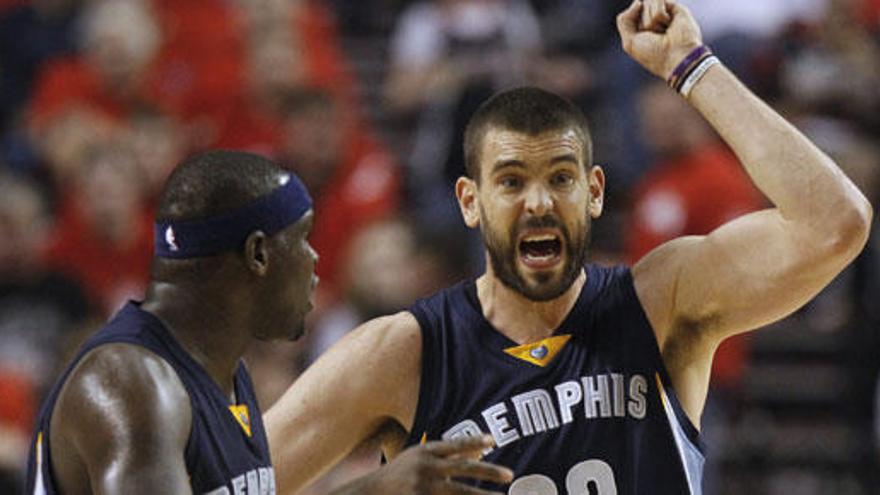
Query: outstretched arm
pixel 121 425
pixel 757 268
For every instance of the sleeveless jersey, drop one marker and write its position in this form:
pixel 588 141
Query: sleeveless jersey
pixel 589 410
pixel 227 452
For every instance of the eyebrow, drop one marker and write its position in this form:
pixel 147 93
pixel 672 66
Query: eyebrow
pixel 513 163
pixel 568 157
pixel 502 164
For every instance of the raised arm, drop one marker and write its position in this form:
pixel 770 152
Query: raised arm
pixel 757 268
pixel 121 425
pixel 368 381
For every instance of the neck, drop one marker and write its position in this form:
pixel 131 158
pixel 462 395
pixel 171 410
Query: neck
pixel 519 318
pixel 207 327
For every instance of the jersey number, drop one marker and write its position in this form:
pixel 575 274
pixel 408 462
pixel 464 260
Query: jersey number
pixel 592 477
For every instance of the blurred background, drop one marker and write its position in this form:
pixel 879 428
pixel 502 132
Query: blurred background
pixel 366 100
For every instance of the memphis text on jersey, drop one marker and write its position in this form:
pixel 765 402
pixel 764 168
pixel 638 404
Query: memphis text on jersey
pixel 608 395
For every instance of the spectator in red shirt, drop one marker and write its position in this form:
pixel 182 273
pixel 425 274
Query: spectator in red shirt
pixel 103 236
pixel 182 58
pixel 353 180
pixel 121 40
pixel 289 44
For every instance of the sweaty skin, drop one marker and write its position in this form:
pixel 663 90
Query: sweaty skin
pixel 123 417
pixel 696 290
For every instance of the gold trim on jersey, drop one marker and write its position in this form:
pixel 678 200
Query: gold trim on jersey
pixel 661 389
pixel 240 413
pixel 539 353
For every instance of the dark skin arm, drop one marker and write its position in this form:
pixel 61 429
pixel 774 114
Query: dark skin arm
pixel 121 425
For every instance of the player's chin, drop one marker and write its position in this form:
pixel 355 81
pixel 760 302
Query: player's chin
pixel 546 284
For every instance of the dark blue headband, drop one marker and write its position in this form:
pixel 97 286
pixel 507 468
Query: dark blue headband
pixel 228 231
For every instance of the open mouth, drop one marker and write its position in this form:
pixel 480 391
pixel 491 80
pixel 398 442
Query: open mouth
pixel 540 251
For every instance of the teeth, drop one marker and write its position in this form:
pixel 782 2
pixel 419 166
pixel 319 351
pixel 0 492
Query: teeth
pixel 537 238
pixel 539 257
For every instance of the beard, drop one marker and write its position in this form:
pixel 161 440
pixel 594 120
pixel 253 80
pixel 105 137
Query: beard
pixel 545 286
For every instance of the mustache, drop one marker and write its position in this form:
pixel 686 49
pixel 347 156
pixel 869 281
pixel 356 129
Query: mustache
pixel 542 222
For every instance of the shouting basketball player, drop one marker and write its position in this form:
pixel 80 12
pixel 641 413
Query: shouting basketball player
pixel 590 380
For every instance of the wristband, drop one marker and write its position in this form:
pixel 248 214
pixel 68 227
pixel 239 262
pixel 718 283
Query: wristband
pixel 696 74
pixel 692 59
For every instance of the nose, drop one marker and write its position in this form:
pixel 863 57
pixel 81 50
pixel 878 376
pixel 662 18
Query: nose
pixel 538 200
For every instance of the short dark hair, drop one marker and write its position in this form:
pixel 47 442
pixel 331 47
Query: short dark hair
pixel 215 182
pixel 528 110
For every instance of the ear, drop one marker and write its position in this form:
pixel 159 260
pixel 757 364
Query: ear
pixel 596 182
pixel 256 253
pixel 468 201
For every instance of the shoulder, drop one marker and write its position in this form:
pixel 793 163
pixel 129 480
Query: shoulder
pixel 655 277
pixel 373 372
pixel 387 335
pixel 120 394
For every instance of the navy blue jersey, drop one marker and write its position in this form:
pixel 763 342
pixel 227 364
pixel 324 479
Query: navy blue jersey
pixel 227 451
pixel 589 410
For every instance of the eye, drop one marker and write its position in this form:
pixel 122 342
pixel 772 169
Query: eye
pixel 510 182
pixel 562 179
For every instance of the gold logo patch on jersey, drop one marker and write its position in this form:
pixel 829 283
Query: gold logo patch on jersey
pixel 539 353
pixel 240 413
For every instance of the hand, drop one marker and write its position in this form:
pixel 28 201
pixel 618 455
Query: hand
pixel 658 52
pixel 427 470
pixel 654 16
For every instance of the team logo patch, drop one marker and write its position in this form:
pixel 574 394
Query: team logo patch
pixel 241 415
pixel 539 353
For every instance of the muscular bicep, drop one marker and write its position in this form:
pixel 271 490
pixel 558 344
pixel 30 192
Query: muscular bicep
pixel 121 425
pixel 747 273
pixel 363 383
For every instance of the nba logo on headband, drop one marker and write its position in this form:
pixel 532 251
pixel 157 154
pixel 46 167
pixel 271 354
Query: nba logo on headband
pixel 227 231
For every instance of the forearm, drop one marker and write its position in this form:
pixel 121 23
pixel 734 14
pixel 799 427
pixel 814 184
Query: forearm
pixel 799 179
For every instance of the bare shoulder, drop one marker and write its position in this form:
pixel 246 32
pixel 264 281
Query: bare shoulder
pixel 119 396
pixel 655 278
pixel 372 370
pixel 389 335
pixel 114 374
pixel 381 356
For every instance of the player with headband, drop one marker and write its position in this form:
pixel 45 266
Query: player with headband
pixel 158 400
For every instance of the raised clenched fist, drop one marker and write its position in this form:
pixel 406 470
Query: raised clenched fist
pixel 658 34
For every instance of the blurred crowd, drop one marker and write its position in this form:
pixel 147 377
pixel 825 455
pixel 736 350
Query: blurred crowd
pixel 367 102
